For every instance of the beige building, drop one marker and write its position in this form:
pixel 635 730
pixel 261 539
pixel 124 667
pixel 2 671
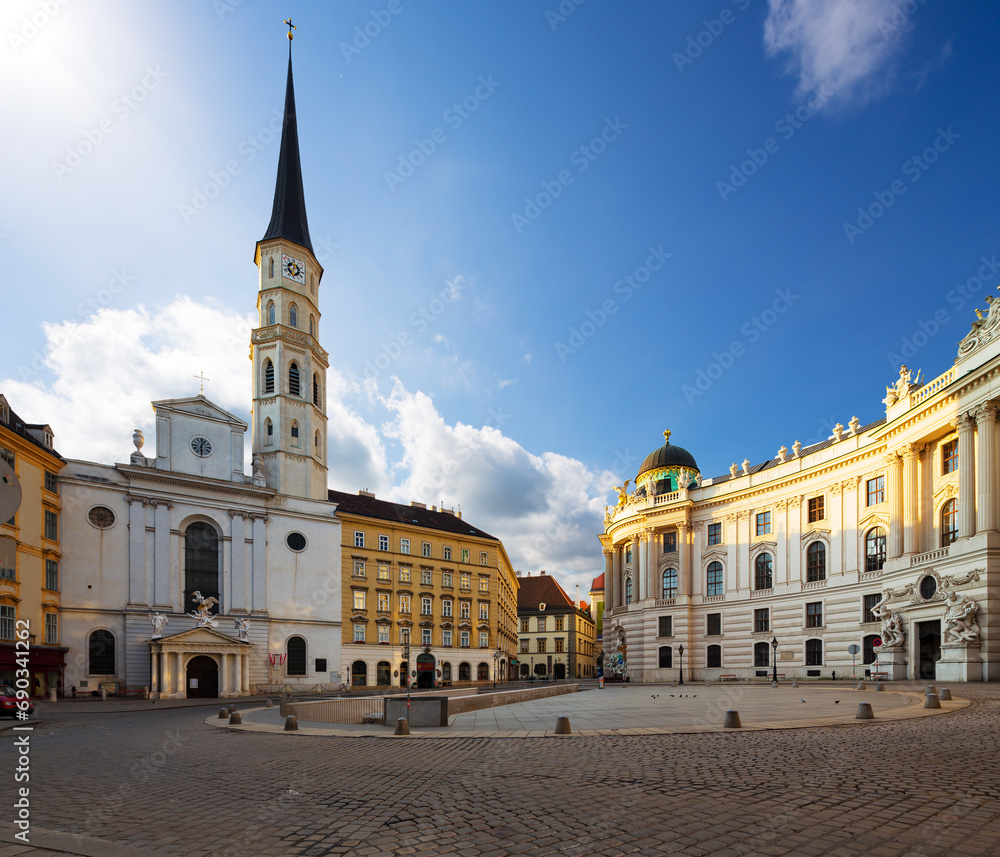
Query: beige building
pixel 30 554
pixel 425 574
pixel 555 634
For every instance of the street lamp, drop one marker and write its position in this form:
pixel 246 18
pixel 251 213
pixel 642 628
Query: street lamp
pixel 680 651
pixel 496 665
pixel 406 655
pixel 774 660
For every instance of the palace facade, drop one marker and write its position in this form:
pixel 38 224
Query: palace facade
pixel 883 537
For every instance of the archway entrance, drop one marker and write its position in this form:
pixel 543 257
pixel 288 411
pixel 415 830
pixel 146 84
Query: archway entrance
pixel 425 670
pixel 202 678
pixel 560 671
pixel 929 648
pixel 359 673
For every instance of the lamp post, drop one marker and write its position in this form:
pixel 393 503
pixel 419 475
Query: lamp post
pixel 680 651
pixel 406 655
pixel 496 665
pixel 774 659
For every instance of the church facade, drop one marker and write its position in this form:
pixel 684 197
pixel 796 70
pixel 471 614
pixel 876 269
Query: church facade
pixel 181 573
pixel 875 549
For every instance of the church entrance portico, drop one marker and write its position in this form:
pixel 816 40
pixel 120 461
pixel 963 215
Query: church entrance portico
pixel 218 665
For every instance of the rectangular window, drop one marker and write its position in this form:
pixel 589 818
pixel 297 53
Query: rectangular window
pixel 383 602
pixel 524 626
pixel 404 603
pixel 949 457
pixel 763 523
pixel 6 622
pixel 52 483
pixel 814 614
pixel 465 554
pixel 383 571
pixel 483 557
pixel 560 643
pixel 447 552
pixel 484 639
pixel 876 490
pixel 484 611
pixel 560 623
pixel 404 574
pixel 446 579
pixel 359 568
pixel 425 577
pixel 762 619
pixel 321 665
pixel 465 582
pixel 464 639
pixel 484 584
pixel 540 646
pixel 465 609
pixel 51 525
pixel 51 574
pixel 541 624
pixel 425 636
pixel 446 637
pixel 359 539
pixel 523 645
pixel 8 573
pixel 425 548
pixel 869 604
pixel 425 607
pixel 359 633
pixel 628 553
pixel 359 599
pixel 383 634
pixel 670 542
pixel 713 625
pixel 715 534
pixel 817 510
pixel 446 608
pixel 51 628
pixel 383 543
pixel 404 545
pixel 666 628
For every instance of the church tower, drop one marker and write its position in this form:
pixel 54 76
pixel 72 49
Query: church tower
pixel 289 366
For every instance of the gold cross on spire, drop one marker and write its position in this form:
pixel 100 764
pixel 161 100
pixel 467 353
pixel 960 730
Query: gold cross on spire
pixel 291 27
pixel 203 379
pixel 666 435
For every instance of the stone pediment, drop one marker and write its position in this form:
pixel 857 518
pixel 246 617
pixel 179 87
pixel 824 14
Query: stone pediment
pixel 197 406
pixel 200 637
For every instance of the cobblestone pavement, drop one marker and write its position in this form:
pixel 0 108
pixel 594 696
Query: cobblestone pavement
pixel 165 783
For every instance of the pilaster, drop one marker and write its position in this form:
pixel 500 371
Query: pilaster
pixel 986 472
pixel 966 476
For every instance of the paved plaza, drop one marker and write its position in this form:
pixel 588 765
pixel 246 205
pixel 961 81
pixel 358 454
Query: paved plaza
pixel 165 782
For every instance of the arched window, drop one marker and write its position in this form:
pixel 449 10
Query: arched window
pixel 201 564
pixel 713 657
pixel 101 653
pixel 814 653
pixel 270 312
pixel 483 672
pixel 270 268
pixel 268 431
pixel 268 376
pixel 815 562
pixel 446 671
pixel 949 523
pixel 316 442
pixel 383 674
pixel 763 577
pixel 628 590
pixel 714 579
pixel 670 583
pixel 295 433
pixel 293 378
pixel 296 649
pixel 316 390
pixel 666 657
pixel 464 671
pixel 875 549
pixel 293 315
pixel 761 654
pixel 359 673
pixel 868 649
pixel 312 325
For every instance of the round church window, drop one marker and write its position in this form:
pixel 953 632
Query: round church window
pixel 928 586
pixel 101 517
pixel 296 541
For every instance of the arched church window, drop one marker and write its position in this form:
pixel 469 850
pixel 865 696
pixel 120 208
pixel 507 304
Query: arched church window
pixel 316 390
pixel 270 312
pixel 949 523
pixel 270 268
pixel 295 433
pixel 293 379
pixel 268 376
pixel 101 653
pixel 296 649
pixel 293 315
pixel 201 564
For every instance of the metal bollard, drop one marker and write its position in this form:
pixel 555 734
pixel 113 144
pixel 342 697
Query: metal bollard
pixel 562 726
pixel 864 711
pixel 732 720
pixel 291 723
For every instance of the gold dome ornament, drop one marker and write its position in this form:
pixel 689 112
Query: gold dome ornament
pixel 291 27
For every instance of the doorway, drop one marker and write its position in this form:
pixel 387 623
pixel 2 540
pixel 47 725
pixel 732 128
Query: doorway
pixel 425 671
pixel 928 648
pixel 202 678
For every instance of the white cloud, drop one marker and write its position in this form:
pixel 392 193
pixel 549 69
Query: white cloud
pixel 843 46
pixel 506 382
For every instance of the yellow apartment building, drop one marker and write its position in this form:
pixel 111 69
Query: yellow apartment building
pixel 556 639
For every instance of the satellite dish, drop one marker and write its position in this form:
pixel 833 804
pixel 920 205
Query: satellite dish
pixel 10 492
pixel 853 649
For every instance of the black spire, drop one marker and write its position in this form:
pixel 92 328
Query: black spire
pixel 288 214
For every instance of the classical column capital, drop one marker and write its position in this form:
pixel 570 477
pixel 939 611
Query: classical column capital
pixel 891 459
pixel 985 413
pixel 683 526
pixel 910 451
pixel 964 421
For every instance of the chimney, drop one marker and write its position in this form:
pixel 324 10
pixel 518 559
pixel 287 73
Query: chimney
pixel 417 505
pixel 366 493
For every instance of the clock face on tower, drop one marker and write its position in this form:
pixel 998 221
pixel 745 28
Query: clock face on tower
pixel 201 446
pixel 293 269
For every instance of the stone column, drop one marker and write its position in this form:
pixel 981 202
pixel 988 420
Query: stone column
pixel 966 476
pixel 608 571
pixel 986 472
pixel 224 675
pixel 683 559
pixel 911 498
pixel 894 493
pixel 636 590
pixel 154 675
pixel 616 577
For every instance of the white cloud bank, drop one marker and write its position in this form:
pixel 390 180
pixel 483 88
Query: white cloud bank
pixel 96 379
pixel 843 46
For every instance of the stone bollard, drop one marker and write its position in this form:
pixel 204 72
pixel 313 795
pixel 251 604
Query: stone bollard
pixel 223 713
pixel 562 726
pixel 235 719
pixel 864 711
pixel 232 707
pixel 291 723
pixel 774 684
pixel 104 694
pixel 945 694
pixel 268 703
pixel 52 694
pixel 402 726
pixel 861 684
pixel 732 720
pixel 931 689
pixel 145 693
pixel 932 701
pixel 795 684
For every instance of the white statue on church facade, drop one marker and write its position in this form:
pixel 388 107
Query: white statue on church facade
pixel 158 620
pixel 205 619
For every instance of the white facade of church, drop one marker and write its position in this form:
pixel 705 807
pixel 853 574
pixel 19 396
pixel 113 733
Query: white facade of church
pixel 884 534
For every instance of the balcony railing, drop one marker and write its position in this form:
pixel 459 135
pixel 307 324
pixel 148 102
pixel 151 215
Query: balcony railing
pixel 931 387
pixel 929 556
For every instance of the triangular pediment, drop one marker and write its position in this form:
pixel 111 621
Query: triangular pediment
pixel 197 406
pixel 195 636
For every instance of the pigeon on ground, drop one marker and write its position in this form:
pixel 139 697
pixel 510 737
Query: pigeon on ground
pixel 801 700
pixel 836 702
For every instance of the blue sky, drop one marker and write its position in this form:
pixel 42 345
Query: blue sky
pixel 488 349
